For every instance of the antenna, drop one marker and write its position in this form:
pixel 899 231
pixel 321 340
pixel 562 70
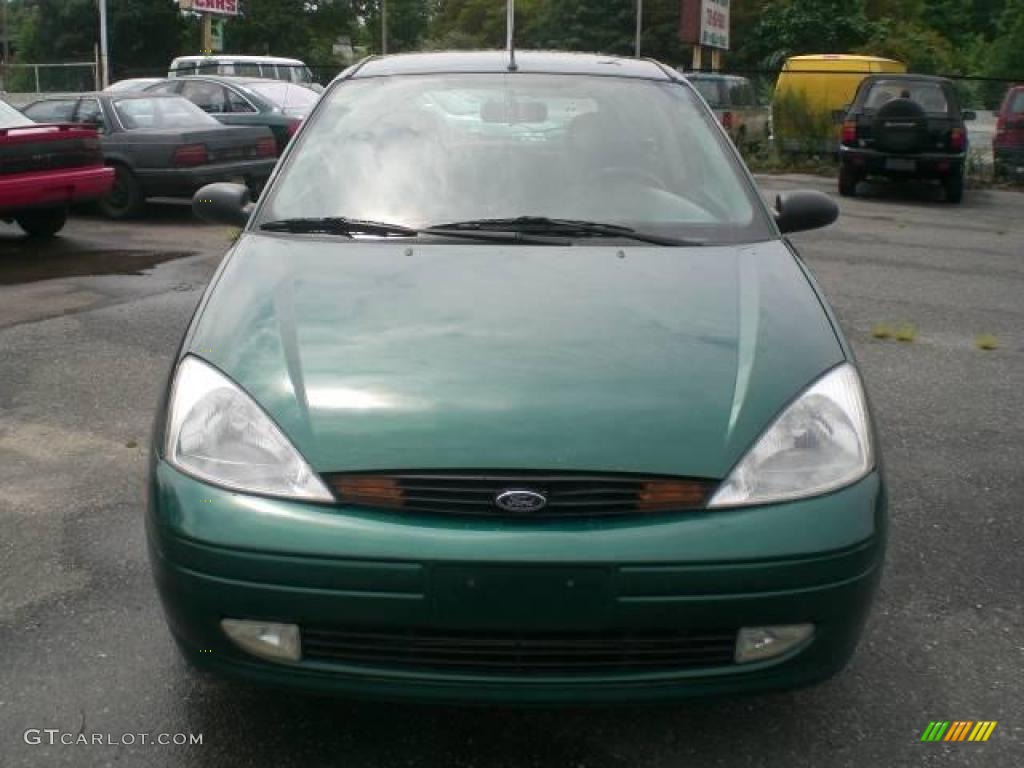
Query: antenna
pixel 510 26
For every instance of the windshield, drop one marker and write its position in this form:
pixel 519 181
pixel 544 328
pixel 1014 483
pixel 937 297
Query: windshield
pixel 930 96
pixel 161 112
pixel 429 149
pixel 295 99
pixel 12 118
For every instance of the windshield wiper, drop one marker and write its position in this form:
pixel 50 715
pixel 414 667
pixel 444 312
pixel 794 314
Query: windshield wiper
pixel 337 225
pixel 541 225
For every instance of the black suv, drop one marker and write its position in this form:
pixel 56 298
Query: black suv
pixel 907 127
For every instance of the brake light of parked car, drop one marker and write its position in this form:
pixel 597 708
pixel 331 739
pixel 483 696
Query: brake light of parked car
pixel 189 155
pixel 727 120
pixel 956 139
pixel 266 148
pixel 849 132
pixel 293 126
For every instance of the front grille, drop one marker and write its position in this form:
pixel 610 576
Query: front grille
pixel 568 494
pixel 524 654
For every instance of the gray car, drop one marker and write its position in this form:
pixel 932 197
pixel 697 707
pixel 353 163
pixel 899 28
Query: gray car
pixel 162 146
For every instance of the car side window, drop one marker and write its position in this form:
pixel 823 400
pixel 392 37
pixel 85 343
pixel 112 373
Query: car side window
pixel 52 111
pixel 164 88
pixel 237 104
pixel 740 94
pixel 209 97
pixel 90 113
pixel 1017 104
pixel 247 69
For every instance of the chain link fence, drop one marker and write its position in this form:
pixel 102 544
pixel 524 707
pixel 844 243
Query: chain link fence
pixel 64 77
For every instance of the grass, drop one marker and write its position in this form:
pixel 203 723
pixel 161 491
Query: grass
pixel 985 341
pixel 881 331
pixel 906 333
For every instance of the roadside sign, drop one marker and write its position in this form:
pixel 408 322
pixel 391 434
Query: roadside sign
pixel 705 23
pixel 217 7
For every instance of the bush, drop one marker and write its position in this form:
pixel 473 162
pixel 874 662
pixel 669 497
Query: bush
pixel 799 126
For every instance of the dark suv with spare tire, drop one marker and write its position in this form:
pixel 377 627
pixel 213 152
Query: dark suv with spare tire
pixel 905 127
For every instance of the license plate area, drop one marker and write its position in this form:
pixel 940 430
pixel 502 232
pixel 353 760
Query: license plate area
pixel 900 164
pixel 521 597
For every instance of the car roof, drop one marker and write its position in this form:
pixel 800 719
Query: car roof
pixel 236 80
pixel 548 62
pixel 230 57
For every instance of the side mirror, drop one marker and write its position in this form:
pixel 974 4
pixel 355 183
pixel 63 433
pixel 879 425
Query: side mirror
pixel 970 114
pixel 804 209
pixel 223 203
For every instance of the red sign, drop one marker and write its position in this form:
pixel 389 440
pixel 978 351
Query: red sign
pixel 220 7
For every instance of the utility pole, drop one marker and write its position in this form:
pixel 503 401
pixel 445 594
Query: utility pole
pixel 7 46
pixel 104 52
pixel 383 26
pixel 639 26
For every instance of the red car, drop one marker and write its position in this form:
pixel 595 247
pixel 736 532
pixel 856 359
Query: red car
pixel 45 168
pixel 1008 146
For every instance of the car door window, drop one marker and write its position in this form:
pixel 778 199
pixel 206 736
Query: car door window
pixel 209 97
pixel 1017 104
pixel 90 113
pixel 247 69
pixel 164 88
pixel 53 111
pixel 741 94
pixel 238 104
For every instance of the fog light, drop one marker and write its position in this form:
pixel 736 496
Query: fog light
pixel 275 642
pixel 759 643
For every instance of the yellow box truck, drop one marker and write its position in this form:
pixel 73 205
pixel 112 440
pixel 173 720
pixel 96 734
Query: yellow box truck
pixel 812 93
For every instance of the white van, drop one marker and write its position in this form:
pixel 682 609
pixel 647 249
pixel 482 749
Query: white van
pixel 273 67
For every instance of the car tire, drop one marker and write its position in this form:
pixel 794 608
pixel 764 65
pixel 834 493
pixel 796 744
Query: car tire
pixel 44 222
pixel 848 181
pixel 125 200
pixel 954 186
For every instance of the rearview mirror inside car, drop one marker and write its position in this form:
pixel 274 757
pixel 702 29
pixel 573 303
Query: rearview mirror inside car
pixel 804 209
pixel 223 203
pixel 516 112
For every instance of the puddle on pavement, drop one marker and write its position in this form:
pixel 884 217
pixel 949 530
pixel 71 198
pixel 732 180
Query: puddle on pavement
pixel 30 263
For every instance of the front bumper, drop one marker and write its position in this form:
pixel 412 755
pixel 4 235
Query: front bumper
pixel 216 554
pixel 184 182
pixel 868 162
pixel 39 189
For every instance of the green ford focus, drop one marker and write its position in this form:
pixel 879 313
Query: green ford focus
pixel 513 390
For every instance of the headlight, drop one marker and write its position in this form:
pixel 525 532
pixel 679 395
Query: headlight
pixel 216 433
pixel 820 442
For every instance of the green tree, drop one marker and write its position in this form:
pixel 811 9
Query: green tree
pixel 921 48
pixel 808 26
pixel 143 34
pixel 407 23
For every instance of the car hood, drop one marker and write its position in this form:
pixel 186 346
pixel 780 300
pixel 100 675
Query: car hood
pixel 408 356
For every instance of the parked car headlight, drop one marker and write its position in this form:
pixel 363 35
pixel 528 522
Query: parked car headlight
pixel 218 434
pixel 820 442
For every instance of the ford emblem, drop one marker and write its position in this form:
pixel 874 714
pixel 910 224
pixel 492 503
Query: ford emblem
pixel 516 500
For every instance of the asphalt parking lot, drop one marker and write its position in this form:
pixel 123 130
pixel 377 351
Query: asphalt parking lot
pixel 88 326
